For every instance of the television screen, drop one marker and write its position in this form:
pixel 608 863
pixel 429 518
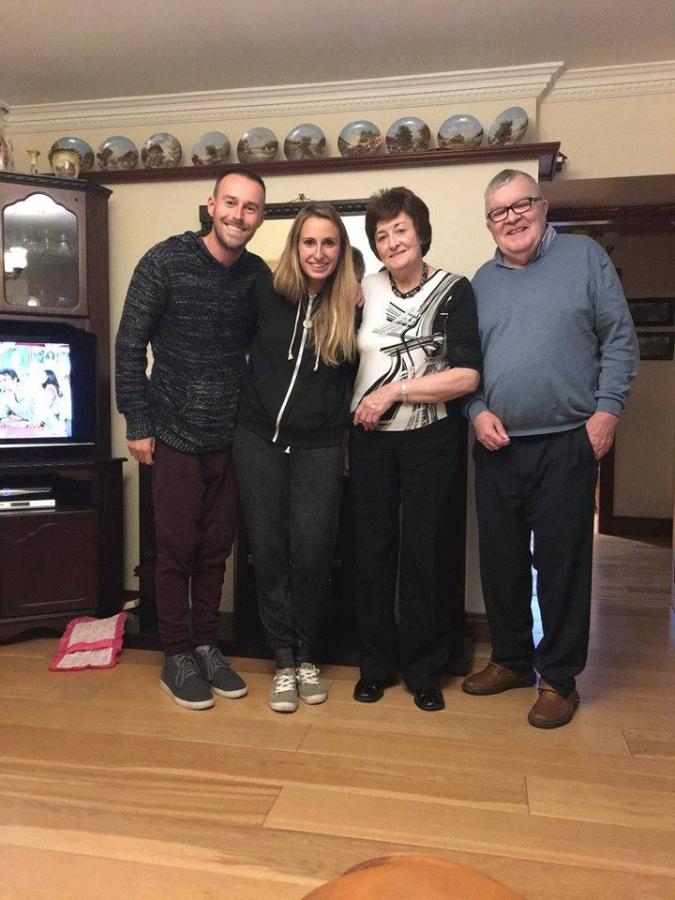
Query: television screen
pixel 47 387
pixel 35 391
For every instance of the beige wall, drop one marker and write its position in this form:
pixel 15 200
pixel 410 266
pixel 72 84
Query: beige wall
pixel 614 136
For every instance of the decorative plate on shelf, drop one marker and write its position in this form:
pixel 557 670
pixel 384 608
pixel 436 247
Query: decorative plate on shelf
pixel 161 151
pixel 82 148
pixel 212 149
pixel 360 138
pixel 508 128
pixel 257 145
pixel 460 132
pixel 408 135
pixel 117 153
pixel 305 141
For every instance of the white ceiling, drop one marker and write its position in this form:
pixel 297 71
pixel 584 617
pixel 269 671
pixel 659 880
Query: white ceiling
pixel 61 50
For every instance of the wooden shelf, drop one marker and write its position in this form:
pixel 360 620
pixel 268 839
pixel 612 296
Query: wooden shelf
pixel 545 153
pixel 52 182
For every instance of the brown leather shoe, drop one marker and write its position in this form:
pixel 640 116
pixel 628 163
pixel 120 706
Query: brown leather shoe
pixel 494 679
pixel 552 709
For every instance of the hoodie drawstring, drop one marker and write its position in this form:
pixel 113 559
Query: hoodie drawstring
pixel 295 328
pixel 298 361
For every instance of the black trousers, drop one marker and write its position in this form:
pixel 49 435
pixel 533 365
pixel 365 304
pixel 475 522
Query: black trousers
pixel 400 486
pixel 291 505
pixel 545 485
pixel 195 513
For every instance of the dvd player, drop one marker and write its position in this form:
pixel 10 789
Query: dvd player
pixel 33 497
pixel 36 503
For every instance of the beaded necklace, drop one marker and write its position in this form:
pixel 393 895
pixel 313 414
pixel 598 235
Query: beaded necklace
pixel 411 293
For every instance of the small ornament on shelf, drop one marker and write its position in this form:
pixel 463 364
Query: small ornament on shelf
pixel 6 154
pixel 33 161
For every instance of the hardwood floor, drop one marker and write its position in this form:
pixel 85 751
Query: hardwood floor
pixel 108 789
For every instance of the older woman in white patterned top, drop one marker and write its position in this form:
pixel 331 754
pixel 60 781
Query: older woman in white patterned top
pixel 419 348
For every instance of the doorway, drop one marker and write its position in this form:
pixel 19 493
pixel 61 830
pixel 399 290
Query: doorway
pixel 634 220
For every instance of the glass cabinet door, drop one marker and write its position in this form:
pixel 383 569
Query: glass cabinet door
pixel 43 250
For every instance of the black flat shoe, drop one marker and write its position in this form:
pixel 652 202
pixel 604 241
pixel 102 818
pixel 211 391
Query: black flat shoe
pixel 429 699
pixel 368 691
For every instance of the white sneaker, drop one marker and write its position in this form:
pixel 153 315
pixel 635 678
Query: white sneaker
pixel 283 695
pixel 310 687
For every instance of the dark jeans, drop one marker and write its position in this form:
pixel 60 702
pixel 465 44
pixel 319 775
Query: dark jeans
pixel 195 501
pixel 543 484
pixel 291 504
pixel 400 486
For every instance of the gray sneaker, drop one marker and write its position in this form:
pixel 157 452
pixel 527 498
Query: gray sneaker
pixel 183 682
pixel 219 673
pixel 283 695
pixel 310 687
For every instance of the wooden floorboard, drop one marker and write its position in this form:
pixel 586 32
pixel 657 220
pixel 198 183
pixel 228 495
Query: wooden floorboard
pixel 544 838
pixel 108 789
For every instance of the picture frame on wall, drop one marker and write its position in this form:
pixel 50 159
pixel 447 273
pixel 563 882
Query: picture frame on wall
pixel 652 311
pixel 656 345
pixel 269 241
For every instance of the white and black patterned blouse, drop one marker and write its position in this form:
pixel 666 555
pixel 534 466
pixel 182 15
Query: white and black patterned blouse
pixel 436 329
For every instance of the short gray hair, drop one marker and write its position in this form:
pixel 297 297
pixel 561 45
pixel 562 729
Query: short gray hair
pixel 506 176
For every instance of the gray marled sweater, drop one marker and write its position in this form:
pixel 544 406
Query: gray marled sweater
pixel 198 316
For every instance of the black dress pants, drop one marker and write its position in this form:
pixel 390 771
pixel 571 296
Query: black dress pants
pixel 400 485
pixel 545 485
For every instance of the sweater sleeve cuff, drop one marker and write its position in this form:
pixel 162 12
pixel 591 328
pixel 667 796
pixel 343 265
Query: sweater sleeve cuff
pixel 605 404
pixel 476 406
pixel 139 427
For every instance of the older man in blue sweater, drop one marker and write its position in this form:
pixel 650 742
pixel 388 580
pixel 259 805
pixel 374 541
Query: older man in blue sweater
pixel 559 353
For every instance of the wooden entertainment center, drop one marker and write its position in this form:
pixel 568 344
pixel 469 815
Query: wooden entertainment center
pixel 64 560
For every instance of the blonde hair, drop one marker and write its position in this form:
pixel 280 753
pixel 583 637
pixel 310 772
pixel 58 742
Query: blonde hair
pixel 333 316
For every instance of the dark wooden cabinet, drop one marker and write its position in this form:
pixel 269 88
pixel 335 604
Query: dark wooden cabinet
pixel 54 249
pixel 43 238
pixel 64 560
pixel 47 563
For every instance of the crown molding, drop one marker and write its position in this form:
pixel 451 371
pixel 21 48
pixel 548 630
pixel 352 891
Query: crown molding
pixel 438 88
pixel 615 81
pixel 433 89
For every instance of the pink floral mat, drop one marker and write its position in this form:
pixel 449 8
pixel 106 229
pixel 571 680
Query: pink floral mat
pixel 90 643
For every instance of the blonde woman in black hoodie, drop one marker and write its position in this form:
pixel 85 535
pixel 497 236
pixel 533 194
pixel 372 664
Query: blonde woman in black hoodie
pixel 293 415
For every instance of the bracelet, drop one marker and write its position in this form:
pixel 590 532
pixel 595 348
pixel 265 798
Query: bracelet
pixel 404 392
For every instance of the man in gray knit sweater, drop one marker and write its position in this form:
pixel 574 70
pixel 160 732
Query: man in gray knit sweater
pixel 192 299
pixel 559 355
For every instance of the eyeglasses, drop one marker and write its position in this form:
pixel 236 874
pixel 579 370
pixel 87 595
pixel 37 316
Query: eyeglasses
pixel 519 207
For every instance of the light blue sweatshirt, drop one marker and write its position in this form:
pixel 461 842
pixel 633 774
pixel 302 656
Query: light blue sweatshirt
pixel 557 338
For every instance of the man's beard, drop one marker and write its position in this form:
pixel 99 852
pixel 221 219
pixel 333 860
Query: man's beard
pixel 229 243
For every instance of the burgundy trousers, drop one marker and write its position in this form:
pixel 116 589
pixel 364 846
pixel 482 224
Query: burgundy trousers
pixel 194 497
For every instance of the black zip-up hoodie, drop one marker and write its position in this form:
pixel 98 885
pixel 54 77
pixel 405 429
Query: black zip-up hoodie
pixel 290 397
